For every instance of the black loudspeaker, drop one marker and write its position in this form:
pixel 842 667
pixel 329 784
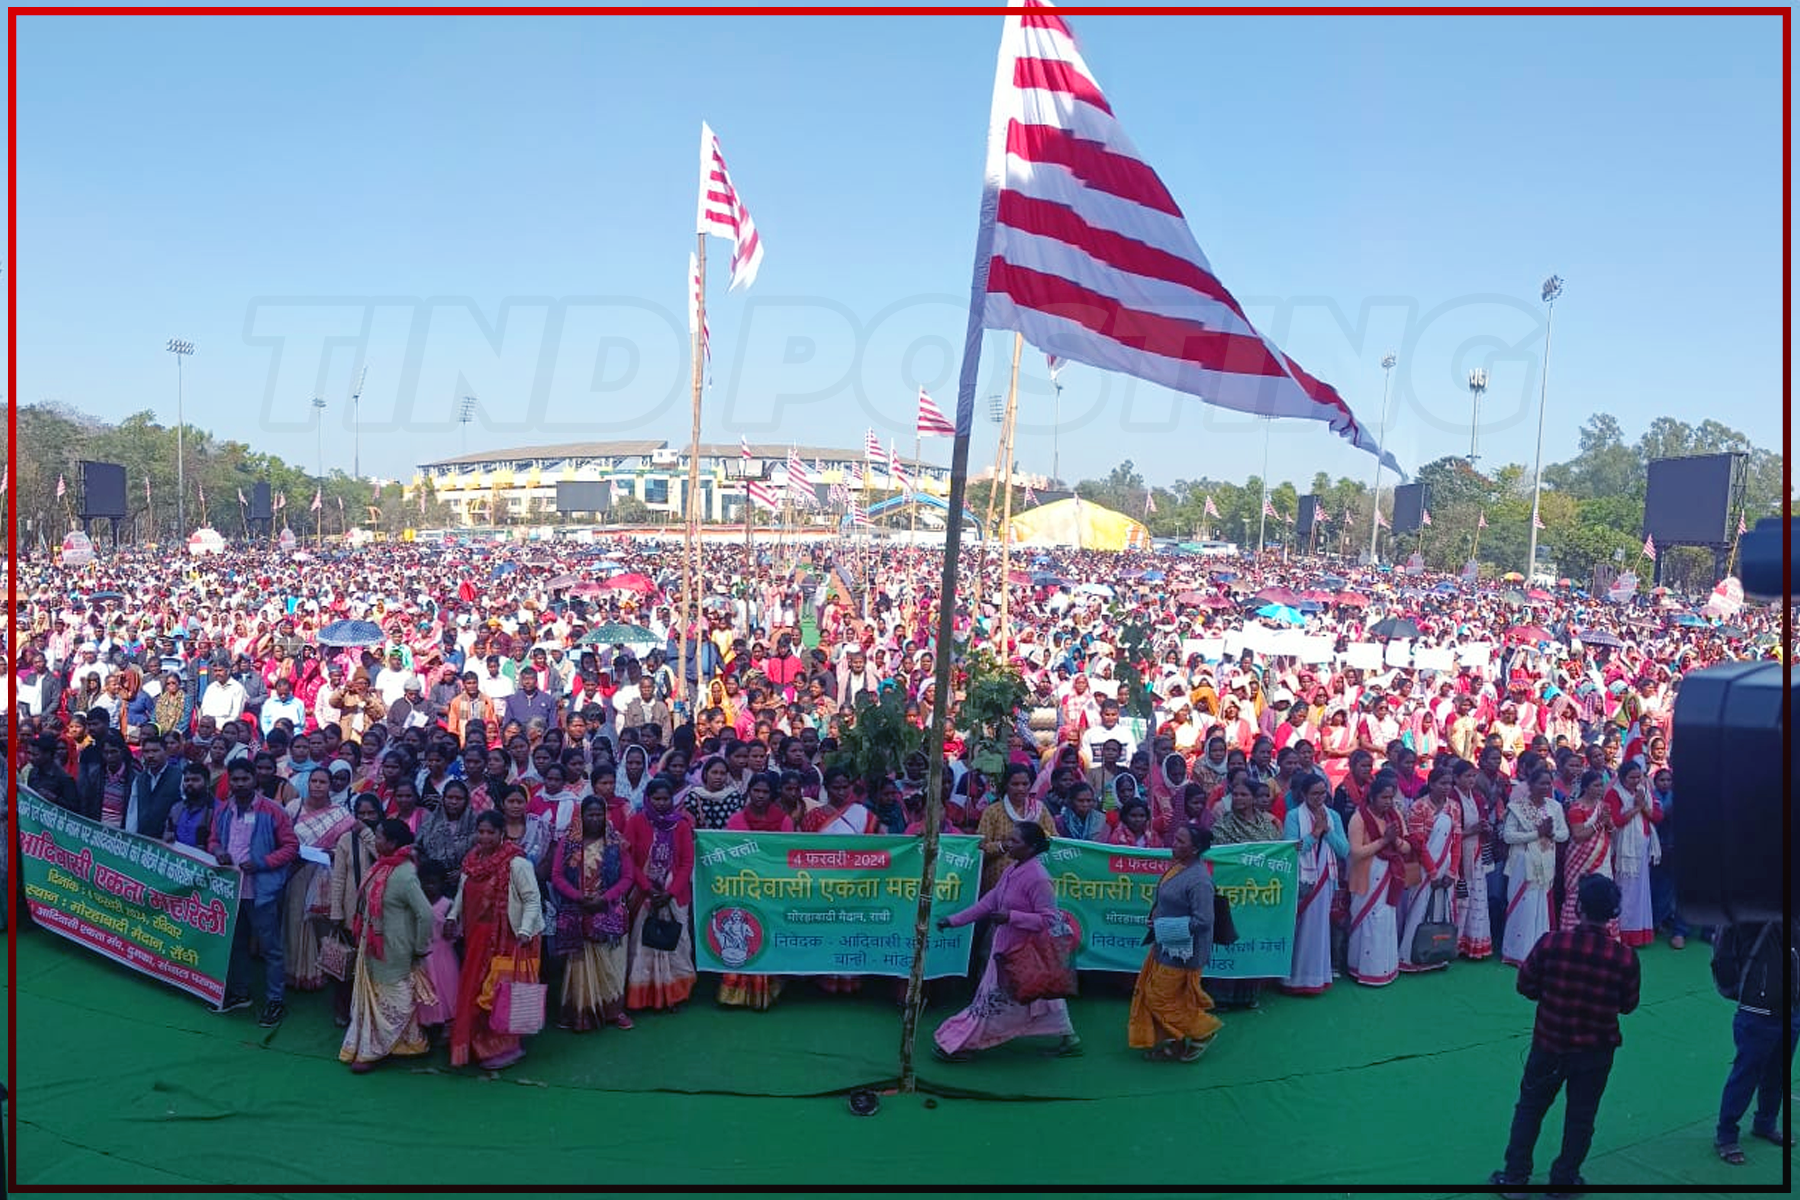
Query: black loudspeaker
pixel 261 506
pixel 102 490
pixel 1409 505
pixel 1728 818
pixel 1309 509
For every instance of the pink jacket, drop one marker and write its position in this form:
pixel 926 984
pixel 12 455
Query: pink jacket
pixel 1024 894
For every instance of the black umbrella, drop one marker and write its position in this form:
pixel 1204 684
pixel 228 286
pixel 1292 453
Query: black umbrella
pixel 102 597
pixel 1394 627
pixel 1599 637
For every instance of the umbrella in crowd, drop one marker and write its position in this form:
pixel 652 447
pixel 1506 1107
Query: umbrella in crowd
pixel 1395 627
pixel 1690 620
pixel 1524 634
pixel 1046 579
pixel 1352 600
pixel 1599 637
pixel 632 637
pixel 1190 598
pixel 1282 613
pixel 629 582
pixel 1513 577
pixel 350 633
pixel 103 597
pixel 558 583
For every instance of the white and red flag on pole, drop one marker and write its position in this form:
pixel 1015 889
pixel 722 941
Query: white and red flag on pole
pixel 1481 520
pixel 1149 503
pixel 1082 249
pixel 872 449
pixel 722 212
pixel 1424 516
pixel 1649 547
pixel 62 487
pixel 797 473
pixel 858 515
pixel 1056 365
pixel 318 499
pixel 1030 497
pixel 6 478
pixel 761 494
pixel 744 448
pixel 1742 529
pixel 1212 510
pixel 897 472
pixel 932 421
pixel 243 502
pixel 1537 522
pixel 1381 521
pixel 1269 510
pixel 201 488
pixel 696 320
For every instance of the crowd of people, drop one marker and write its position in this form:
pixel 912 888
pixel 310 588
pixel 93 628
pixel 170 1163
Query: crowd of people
pixel 502 787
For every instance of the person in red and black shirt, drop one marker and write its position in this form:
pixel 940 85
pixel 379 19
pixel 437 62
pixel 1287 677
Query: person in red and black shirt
pixel 1583 981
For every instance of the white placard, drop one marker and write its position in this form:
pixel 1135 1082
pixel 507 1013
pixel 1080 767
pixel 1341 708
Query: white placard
pixel 1434 660
pixel 1364 656
pixel 1316 648
pixel 1399 654
pixel 1475 654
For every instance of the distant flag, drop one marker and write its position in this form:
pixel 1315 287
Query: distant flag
pixel 872 449
pixel 1030 497
pixel 796 470
pixel 1083 251
pixel 1212 509
pixel 761 494
pixel 202 489
pixel 146 489
pixel 840 494
pixel 1149 503
pixel 932 421
pixel 340 501
pixel 421 499
pixel 897 473
pixel 1649 547
pixel 1320 516
pixel 1424 516
pixel 858 515
pixel 6 477
pixel 1055 364
pixel 722 212
pixel 1742 529
pixel 1537 522
pixel 62 487
pixel 243 502
pixel 744 449
pixel 1481 520
pixel 318 499
pixel 697 322
pixel 1381 521
pixel 1269 510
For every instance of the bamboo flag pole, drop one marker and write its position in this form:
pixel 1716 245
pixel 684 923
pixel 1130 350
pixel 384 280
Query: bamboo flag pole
pixel 1012 419
pixel 691 530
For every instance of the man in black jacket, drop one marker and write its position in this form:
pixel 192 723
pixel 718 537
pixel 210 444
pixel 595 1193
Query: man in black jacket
pixel 154 792
pixel 1757 965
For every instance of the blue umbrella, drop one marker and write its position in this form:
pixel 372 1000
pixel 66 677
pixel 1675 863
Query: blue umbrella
pixel 1153 577
pixel 1282 613
pixel 1309 607
pixel 350 633
pixel 1691 620
pixel 505 568
pixel 1045 579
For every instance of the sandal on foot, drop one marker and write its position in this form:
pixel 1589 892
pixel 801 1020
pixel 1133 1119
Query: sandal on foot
pixel 1774 1136
pixel 943 1055
pixel 1732 1153
pixel 1067 1048
pixel 1193 1051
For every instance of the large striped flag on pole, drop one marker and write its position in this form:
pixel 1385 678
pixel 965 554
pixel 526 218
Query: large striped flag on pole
pixel 1742 528
pixel 761 494
pixel 1212 510
pixel 1424 516
pixel 897 472
pixel 1083 250
pixel 1269 510
pixel 872 449
pixel 1649 547
pixel 932 421
pixel 722 212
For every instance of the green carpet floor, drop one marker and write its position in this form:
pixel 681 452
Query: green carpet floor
pixel 124 1082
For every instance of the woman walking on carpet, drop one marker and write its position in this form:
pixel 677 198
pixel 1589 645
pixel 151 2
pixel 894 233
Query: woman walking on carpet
pixel 393 938
pixel 1171 1018
pixel 500 917
pixel 1022 903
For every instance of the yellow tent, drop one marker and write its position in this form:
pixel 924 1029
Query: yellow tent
pixel 1081 524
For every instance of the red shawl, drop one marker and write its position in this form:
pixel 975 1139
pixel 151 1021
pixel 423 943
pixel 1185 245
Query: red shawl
pixel 372 913
pixel 1396 862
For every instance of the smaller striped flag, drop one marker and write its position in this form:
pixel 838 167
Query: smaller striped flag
pixel 318 499
pixel 62 487
pixel 872 448
pixel 1742 529
pixel 932 421
pixel 897 472
pixel 1481 520
pixel 202 489
pixel 858 515
pixel 744 448
pixel 1269 510
pixel 839 493
pixel 1055 364
pixel 1212 510
pixel 6 478
pixel 1320 516
pixel 1424 516
pixel 243 502
pixel 1030 497
pixel 1149 503
pixel 1649 547
pixel 1381 521
pixel 1537 522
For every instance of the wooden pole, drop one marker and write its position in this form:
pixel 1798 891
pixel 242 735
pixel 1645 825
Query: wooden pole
pixel 1011 426
pixel 913 527
pixel 691 532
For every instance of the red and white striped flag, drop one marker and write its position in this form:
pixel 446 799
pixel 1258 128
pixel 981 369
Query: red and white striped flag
pixel 840 493
pixel 798 475
pixel 932 421
pixel 696 320
pixel 1269 510
pixel 1320 516
pixel 280 503
pixel 1149 503
pixel 1424 516
pixel 1212 509
pixel 1381 521
pixel 1537 522
pixel 853 479
pixel 1481 520
pixel 243 502
pixel 1030 497
pixel 340 501
pixel 897 472
pixel 722 212
pixel 1649 547
pixel 858 515
pixel 1055 364
pixel 872 449
pixel 1083 250
pixel 761 494
pixel 62 487
pixel 318 499
pixel 744 449
pixel 1742 528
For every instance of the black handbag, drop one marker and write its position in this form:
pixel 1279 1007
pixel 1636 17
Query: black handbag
pixel 1224 928
pixel 661 932
pixel 1434 941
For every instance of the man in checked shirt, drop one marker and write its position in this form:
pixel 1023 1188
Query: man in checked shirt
pixel 1583 981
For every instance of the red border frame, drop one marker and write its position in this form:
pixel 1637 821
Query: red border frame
pixel 12 721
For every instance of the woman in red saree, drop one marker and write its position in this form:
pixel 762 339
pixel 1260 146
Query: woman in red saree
pixel 1590 846
pixel 760 814
pixel 500 917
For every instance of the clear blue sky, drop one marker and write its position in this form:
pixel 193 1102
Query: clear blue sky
pixel 265 186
